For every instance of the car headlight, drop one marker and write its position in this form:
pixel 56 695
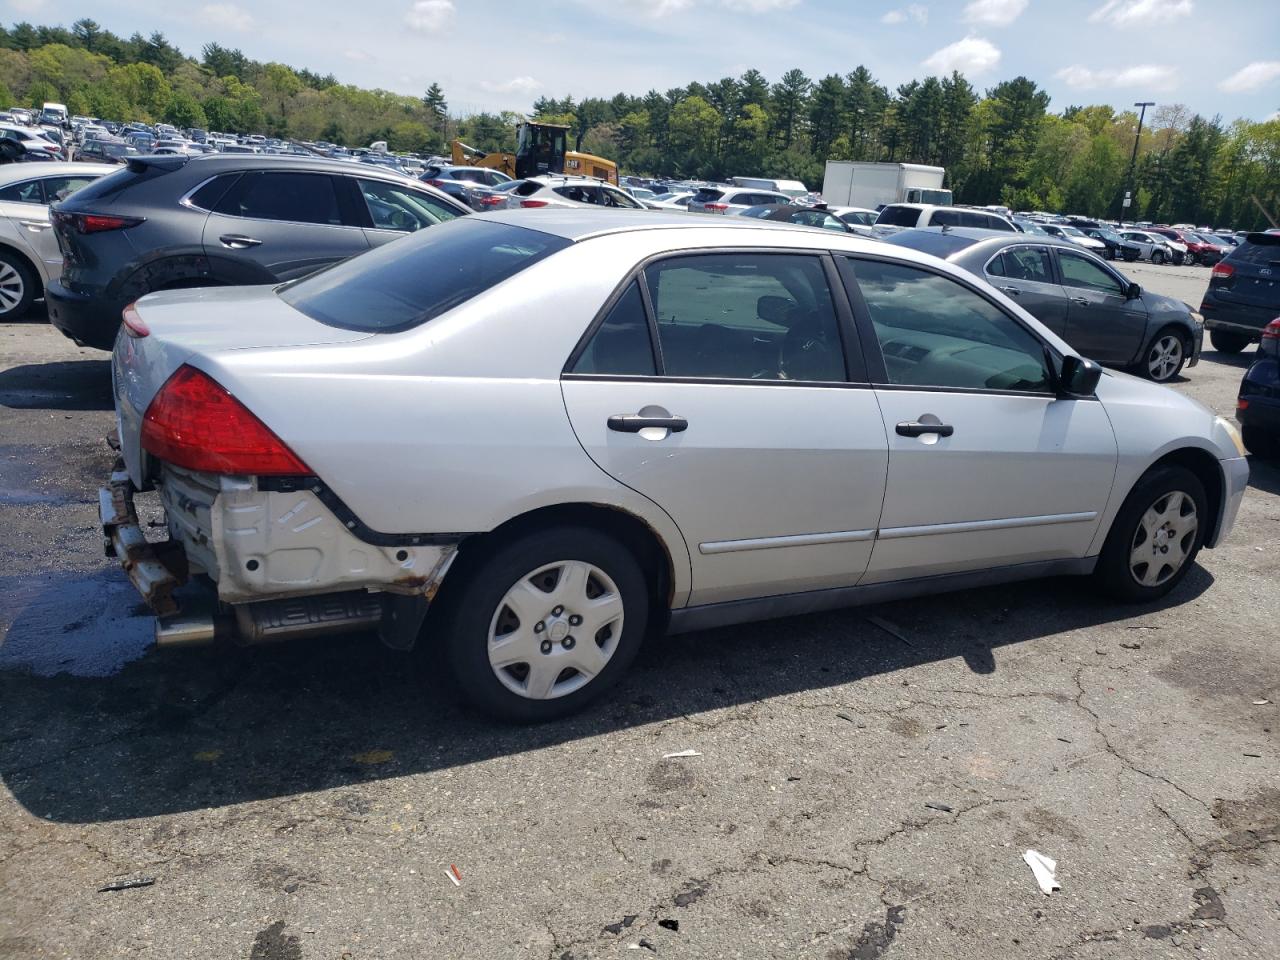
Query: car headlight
pixel 1197 317
pixel 1232 431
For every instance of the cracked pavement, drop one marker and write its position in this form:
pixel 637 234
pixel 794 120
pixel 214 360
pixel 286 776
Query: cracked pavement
pixel 308 800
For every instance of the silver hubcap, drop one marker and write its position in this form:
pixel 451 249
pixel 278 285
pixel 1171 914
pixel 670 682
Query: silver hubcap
pixel 1165 358
pixel 555 630
pixel 11 288
pixel 1163 540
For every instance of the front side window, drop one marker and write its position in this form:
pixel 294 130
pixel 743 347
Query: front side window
pixel 1027 263
pixel 394 207
pixel 746 316
pixel 288 197
pixel 616 198
pixel 621 346
pixel 935 332
pixel 1079 272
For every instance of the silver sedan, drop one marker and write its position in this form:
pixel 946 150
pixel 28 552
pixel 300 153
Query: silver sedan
pixel 522 441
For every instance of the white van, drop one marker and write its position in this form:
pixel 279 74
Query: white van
pixel 792 188
pixel 54 113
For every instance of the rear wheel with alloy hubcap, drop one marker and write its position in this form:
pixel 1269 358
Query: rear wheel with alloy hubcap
pixel 1165 357
pixel 546 623
pixel 17 287
pixel 1156 535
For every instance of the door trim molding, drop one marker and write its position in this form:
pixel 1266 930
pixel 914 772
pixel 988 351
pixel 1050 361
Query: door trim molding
pixel 972 526
pixel 792 540
pixel 732 612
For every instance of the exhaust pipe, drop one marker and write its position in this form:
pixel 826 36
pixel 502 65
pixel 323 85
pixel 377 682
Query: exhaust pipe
pixel 186 630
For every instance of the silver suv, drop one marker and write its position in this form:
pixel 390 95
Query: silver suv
pixel 903 216
pixel 733 200
pixel 554 191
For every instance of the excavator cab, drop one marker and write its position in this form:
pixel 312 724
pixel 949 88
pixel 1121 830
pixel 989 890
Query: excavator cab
pixel 540 149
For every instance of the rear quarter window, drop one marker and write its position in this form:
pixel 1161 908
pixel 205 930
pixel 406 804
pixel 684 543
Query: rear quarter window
pixel 404 284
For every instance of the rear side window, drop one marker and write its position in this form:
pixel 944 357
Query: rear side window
pixel 621 345
pixel 892 216
pixel 288 197
pixel 406 283
pixel 206 197
pixel 948 218
pixel 27 192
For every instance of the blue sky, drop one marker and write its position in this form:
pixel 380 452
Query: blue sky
pixel 1215 56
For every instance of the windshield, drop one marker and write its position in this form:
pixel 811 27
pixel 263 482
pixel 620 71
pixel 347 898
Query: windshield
pixel 1071 231
pixel 403 284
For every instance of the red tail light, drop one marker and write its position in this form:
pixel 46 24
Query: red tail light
pixel 1272 330
pixel 436 183
pixel 533 203
pixel 490 201
pixel 134 325
pixel 716 207
pixel 194 422
pixel 1223 271
pixel 94 222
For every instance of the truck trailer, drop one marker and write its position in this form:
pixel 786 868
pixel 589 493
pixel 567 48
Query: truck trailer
pixel 848 183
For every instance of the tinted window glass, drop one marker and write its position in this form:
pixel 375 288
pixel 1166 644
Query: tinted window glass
pixel 289 197
pixel 578 194
pixel 934 332
pixel 1259 249
pixel 621 344
pixel 207 197
pixel 996 267
pixel 394 207
pixel 1079 272
pixel 1028 263
pixel 616 198
pixel 758 317
pixel 405 283
pixel 26 192
pixel 59 188
pixel 948 218
pixel 859 218
pixel 898 216
pixel 707 194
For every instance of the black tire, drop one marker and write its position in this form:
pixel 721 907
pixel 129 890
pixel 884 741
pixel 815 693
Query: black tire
pixel 1226 342
pixel 1179 259
pixel 1114 572
pixel 1108 254
pixel 1261 444
pixel 1157 256
pixel 19 287
pixel 1148 355
pixel 472 605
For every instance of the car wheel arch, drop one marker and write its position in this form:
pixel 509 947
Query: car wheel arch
pixel 1205 466
pixel 21 255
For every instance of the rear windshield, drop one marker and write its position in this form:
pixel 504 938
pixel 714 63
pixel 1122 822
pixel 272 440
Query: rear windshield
pixel 111 184
pixel 707 193
pixel 403 284
pixel 898 216
pixel 931 241
pixel 1259 249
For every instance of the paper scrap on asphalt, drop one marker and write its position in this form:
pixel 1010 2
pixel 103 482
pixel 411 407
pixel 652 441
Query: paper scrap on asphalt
pixel 452 879
pixel 1261 703
pixel 1044 870
pixel 682 753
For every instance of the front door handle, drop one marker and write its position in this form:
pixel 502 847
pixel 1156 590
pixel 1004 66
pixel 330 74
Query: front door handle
pixel 236 242
pixel 1011 291
pixel 1083 301
pixel 632 423
pixel 914 428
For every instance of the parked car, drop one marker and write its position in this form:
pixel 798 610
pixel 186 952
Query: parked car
pixel 553 190
pixel 1064 231
pixel 676 200
pixel 1244 293
pixel 1116 245
pixel 733 200
pixel 368 407
pixel 105 151
pixel 801 216
pixel 483 176
pixel 217 219
pixel 29 254
pixel 23 144
pixel 860 219
pixel 1198 251
pixel 904 216
pixel 1258 406
pixel 1032 227
pixel 1095 308
pixel 1152 246
pixel 1215 248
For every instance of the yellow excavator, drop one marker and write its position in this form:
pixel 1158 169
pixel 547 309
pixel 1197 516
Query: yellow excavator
pixel 540 149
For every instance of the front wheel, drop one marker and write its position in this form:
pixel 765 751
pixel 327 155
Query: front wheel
pixel 546 623
pixel 1157 256
pixel 1165 357
pixel 1155 536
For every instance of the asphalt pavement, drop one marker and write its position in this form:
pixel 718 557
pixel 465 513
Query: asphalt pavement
pixel 865 785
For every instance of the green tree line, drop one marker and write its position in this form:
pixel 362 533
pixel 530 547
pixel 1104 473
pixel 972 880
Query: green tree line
pixel 999 145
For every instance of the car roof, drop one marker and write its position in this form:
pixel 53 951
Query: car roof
pixel 580 223
pixel 214 163
pixel 990 239
pixel 19 172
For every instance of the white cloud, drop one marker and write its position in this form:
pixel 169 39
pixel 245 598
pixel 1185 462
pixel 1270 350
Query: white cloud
pixel 1081 77
pixel 359 56
pixel 913 11
pixel 430 16
pixel 998 13
pixel 972 55
pixel 1123 12
pixel 1252 77
pixel 514 85
pixel 226 15
pixel 758 6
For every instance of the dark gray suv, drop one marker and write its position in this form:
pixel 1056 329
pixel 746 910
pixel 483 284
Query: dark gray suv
pixel 1087 302
pixel 169 222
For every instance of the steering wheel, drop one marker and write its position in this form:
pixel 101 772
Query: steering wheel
pixel 803 352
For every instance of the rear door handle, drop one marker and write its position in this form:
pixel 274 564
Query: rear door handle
pixel 634 424
pixel 1011 291
pixel 914 428
pixel 36 224
pixel 237 242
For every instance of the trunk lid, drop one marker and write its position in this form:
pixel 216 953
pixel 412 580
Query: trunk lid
pixel 199 322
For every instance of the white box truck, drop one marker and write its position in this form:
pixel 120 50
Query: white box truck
pixel 872 185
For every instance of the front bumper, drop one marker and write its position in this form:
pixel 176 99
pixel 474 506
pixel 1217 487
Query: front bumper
pixel 90 321
pixel 1235 476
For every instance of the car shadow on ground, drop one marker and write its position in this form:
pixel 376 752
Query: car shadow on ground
pixel 185 730
pixel 58 385
pixel 1242 361
pixel 1264 475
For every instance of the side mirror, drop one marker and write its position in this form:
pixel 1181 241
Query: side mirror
pixel 1133 291
pixel 1079 377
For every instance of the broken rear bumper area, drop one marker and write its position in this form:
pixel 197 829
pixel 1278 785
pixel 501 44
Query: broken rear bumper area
pixel 257 565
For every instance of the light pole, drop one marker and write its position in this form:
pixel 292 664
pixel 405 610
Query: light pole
pixel 1133 161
